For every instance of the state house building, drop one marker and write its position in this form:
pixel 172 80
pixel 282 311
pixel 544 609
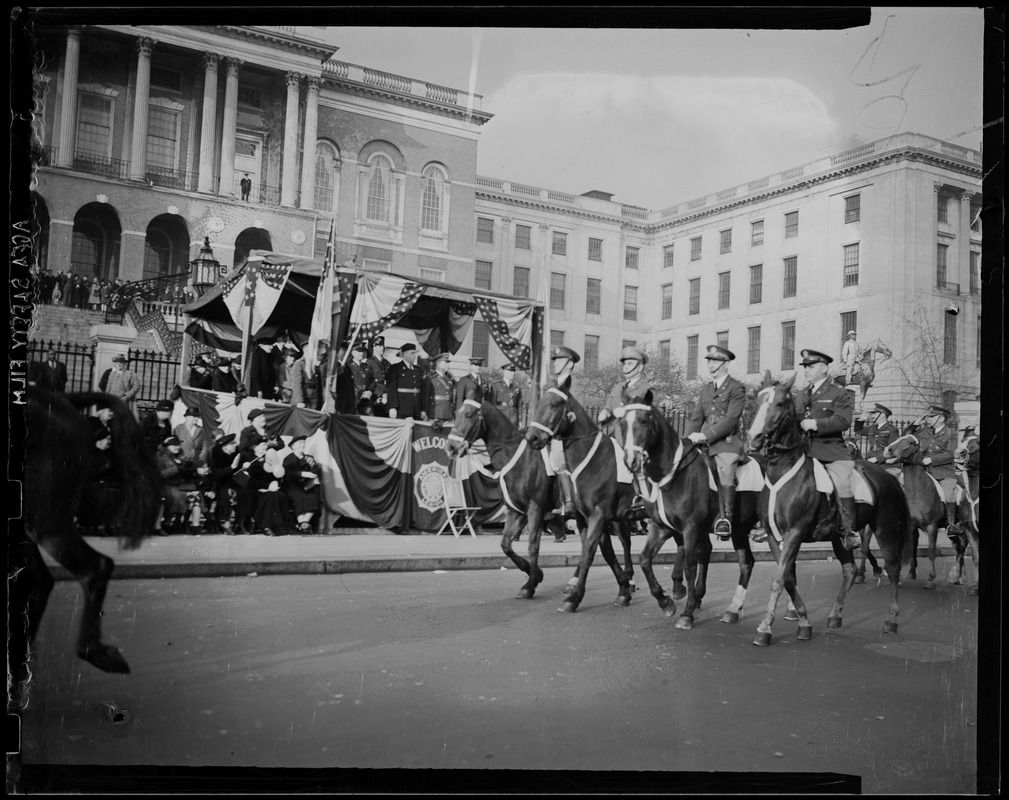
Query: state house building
pixel 145 134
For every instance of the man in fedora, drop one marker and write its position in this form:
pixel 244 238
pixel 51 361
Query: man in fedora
pixel 825 411
pixel 506 394
pixel 194 440
pixel 223 379
pixel 436 392
pixel 937 443
pixel 878 431
pixel 121 382
pixel 715 422
pixel 404 382
pixel 50 374
pixel 849 355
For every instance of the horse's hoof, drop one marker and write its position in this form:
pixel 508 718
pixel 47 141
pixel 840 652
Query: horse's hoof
pixel 679 592
pixel 104 656
pixel 889 627
pixel 622 601
pixel 877 573
pixel 730 617
pixel 568 608
pixel 762 639
pixel 685 623
pixel 929 584
pixel 791 615
pixel 525 594
pixel 860 578
pixel 804 632
pixel 833 623
pixel 668 606
pixel 568 589
pixel 634 586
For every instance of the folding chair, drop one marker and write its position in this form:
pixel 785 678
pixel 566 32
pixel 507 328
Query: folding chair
pixel 454 499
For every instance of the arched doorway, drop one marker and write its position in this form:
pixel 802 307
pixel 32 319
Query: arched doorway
pixel 248 240
pixel 94 250
pixel 166 247
pixel 40 231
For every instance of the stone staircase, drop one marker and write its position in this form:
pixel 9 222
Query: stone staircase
pixel 63 324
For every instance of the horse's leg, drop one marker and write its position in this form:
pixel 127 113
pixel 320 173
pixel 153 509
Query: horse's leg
pixel 785 554
pixel 573 580
pixel 912 573
pixel 744 556
pixel 513 526
pixel 657 536
pixel 957 568
pixel 606 546
pixel 847 559
pixel 589 544
pixel 972 537
pixel 92 570
pixel 679 590
pixel 797 606
pixel 933 534
pixel 693 551
pixel 624 531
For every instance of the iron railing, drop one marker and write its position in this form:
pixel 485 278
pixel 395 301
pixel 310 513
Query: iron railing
pixel 173 178
pixel 78 358
pixel 151 289
pixel 101 165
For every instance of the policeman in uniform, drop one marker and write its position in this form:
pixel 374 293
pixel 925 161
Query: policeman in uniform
pixel 436 392
pixel 825 410
pixel 715 421
pixel 937 444
pixel 506 395
pixel 562 362
pixel 875 425
pixel 473 384
pixel 404 382
pixel 377 366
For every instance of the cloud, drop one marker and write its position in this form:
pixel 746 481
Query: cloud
pixel 652 141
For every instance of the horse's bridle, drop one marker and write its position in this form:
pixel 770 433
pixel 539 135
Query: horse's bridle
pixel 628 444
pixel 453 436
pixel 553 433
pixel 765 446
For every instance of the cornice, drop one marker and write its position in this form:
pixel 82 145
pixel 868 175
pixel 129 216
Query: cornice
pixel 569 211
pixel 324 52
pixel 388 95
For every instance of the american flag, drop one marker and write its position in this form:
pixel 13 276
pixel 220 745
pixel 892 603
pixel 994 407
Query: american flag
pixel 327 302
pixel 382 300
pixel 257 287
pixel 510 323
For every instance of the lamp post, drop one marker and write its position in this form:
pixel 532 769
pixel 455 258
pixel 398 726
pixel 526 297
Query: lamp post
pixel 204 272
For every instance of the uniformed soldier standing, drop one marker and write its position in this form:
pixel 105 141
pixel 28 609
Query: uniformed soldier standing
pixel 937 444
pixel 562 361
pixel 404 382
pixel 825 410
pixel 436 392
pixel 716 421
pixel 506 395
pixel 474 383
pixel 377 367
pixel 875 425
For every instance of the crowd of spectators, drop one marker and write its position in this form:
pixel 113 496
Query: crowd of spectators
pixel 91 293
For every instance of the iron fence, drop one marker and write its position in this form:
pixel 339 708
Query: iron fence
pixel 173 178
pixel 79 360
pixel 158 374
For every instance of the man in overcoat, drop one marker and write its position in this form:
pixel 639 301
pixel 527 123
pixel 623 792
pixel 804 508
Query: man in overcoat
pixel 404 383
pixel 436 392
pixel 50 374
pixel 506 394
pixel 472 383
pixel 937 444
pixel 378 367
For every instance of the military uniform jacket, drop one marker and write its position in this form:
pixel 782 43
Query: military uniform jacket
pixel 436 398
pixel 376 371
pixel 832 407
pixel 468 385
pixel 716 415
pixel 937 446
pixel 878 437
pixel 636 387
pixel 507 398
pixel 404 385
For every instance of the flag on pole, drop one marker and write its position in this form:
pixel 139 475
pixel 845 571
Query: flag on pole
pixel 327 302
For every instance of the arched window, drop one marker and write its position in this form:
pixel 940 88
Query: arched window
pixel 157 254
pixel 87 250
pixel 381 181
pixel 327 173
pixel 379 189
pixel 432 209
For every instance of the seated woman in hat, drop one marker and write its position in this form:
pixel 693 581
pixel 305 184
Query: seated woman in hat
pixel 223 379
pixel 157 427
pixel 876 427
pixel 269 502
pixel 256 427
pixel 301 484
pixel 937 443
pixel 177 479
pixel 234 503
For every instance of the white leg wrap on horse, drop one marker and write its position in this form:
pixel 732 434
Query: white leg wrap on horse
pixel 737 600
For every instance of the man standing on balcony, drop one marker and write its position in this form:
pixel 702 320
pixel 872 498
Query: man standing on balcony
pixel 121 382
pixel 246 185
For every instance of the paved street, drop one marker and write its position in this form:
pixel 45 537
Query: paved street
pixel 446 670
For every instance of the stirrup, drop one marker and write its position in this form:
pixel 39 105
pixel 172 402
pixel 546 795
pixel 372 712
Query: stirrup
pixel 851 540
pixel 723 529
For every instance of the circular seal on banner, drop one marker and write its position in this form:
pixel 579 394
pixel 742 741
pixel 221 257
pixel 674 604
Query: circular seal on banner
pixel 427 485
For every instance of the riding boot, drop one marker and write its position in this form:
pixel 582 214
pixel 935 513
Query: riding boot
pixel 723 525
pixel 850 538
pixel 953 528
pixel 637 510
pixel 568 493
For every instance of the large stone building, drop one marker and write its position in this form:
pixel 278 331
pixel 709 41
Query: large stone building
pixel 145 134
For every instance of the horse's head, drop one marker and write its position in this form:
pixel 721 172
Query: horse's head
pixel 902 448
pixel 968 455
pixel 467 426
pixel 775 412
pixel 553 414
pixel 638 415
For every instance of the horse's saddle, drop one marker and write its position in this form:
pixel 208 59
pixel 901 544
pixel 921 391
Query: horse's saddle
pixel 859 486
pixel 623 473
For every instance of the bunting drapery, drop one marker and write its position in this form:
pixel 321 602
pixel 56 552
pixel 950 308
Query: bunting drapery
pixel 511 324
pixel 381 302
pixel 257 288
pixel 327 302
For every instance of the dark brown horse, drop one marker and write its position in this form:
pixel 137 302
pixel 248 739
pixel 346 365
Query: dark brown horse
pixel 58 453
pixel 928 511
pixel 599 498
pixel 797 512
pixel 967 463
pixel 683 505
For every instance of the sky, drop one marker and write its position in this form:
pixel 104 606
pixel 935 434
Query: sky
pixel 658 117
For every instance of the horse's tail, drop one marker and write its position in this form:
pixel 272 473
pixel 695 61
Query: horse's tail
pixel 135 466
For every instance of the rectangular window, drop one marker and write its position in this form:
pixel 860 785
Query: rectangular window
pixel 695 249
pixel 695 296
pixel 753 350
pixel 432 274
pixel 791 224
pixel 849 322
pixel 975 217
pixel 485 230
pixel 521 282
pixel 373 265
pixel 788 345
pixel 725 241
pixel 942 208
pixel 631 302
pixel 850 265
pixel 940 265
pixel 949 339
pixel 852 208
pixel 591 352
pixel 791 271
pixel 756 233
pixel 557 282
pixel 94 125
pixel 631 257
pixel 665 349
pixel 481 340
pixel 523 237
pixel 667 256
pixel 560 244
pixel 595 249
pixel 756 283
pixel 163 78
pixel 482 275
pixel 251 96
pixel 593 295
pixel 691 357
pixel 628 343
pixel 723 289
pixel 162 138
pixel 667 301
pixel 556 338
pixel 975 272
pixel 722 339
